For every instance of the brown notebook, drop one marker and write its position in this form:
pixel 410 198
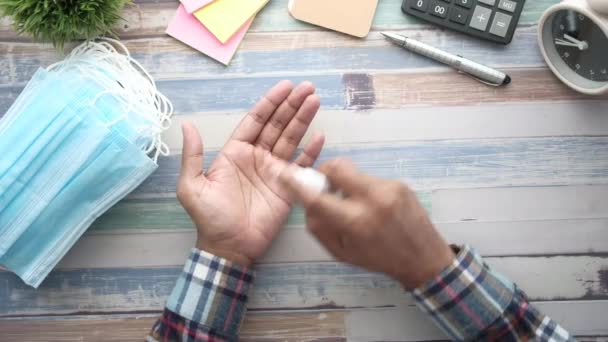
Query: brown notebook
pixel 352 17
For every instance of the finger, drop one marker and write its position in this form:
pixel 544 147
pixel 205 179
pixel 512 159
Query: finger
pixel 331 209
pixel 192 152
pixel 345 176
pixel 252 124
pixel 283 115
pixel 296 128
pixel 311 151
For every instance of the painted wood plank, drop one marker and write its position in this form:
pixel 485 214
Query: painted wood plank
pixel 293 326
pixel 235 94
pixel 561 271
pixel 426 166
pixel 347 91
pixel 138 248
pixel 513 204
pixel 221 94
pixel 512 120
pixel 538 221
pixel 582 318
pixel 354 91
pixel 285 286
pixel 398 90
pixel 445 164
pixel 151 18
pixel 288 54
pixel 168 214
pixel 402 324
pixel 282 41
pixel 544 237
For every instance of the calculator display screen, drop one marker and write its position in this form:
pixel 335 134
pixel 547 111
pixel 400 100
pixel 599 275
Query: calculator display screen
pixel 581 44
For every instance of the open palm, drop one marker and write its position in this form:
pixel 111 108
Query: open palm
pixel 238 205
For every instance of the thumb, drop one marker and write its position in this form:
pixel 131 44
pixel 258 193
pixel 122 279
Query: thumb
pixel 192 152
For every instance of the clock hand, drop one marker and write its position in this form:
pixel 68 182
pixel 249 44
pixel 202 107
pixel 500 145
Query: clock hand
pixel 565 43
pixel 572 39
pixel 581 44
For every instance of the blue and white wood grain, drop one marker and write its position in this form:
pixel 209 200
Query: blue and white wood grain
pixel 521 173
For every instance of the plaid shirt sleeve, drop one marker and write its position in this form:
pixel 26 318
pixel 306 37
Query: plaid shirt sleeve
pixel 207 303
pixel 469 301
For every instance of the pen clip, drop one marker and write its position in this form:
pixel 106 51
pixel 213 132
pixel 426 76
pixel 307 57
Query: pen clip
pixel 479 79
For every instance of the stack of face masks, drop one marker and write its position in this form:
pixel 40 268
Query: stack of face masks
pixel 81 136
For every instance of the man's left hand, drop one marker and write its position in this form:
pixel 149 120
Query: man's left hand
pixel 239 205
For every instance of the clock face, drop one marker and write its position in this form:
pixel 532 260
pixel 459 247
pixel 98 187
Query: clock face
pixel 581 44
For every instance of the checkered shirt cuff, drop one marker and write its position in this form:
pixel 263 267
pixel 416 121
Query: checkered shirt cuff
pixel 523 322
pixel 212 292
pixel 466 297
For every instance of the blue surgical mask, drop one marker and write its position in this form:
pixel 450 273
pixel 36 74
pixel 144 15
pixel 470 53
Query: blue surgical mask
pixel 40 128
pixel 114 170
pixel 53 136
pixel 73 144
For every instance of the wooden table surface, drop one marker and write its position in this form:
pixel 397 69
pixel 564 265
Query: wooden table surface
pixel 521 173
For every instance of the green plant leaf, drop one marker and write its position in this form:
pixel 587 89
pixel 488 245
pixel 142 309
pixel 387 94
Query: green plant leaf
pixel 61 21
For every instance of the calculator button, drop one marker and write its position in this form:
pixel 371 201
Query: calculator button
pixel 439 9
pixel 480 18
pixel 464 3
pixel 507 5
pixel 500 25
pixel 488 2
pixel 458 15
pixel 420 5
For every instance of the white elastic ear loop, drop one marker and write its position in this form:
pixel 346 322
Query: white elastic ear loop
pixel 113 43
pixel 110 82
pixel 161 149
pixel 128 80
pixel 163 105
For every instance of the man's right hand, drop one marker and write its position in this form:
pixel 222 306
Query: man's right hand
pixel 376 224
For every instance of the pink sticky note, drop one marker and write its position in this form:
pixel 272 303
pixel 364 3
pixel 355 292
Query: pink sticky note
pixel 185 28
pixel 194 5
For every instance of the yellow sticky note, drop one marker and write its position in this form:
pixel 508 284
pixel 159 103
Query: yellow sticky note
pixel 224 18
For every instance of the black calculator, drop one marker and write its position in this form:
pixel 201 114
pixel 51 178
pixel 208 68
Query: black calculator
pixel 494 20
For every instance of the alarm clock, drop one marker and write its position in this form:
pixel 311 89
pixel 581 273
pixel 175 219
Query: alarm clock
pixel 573 38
